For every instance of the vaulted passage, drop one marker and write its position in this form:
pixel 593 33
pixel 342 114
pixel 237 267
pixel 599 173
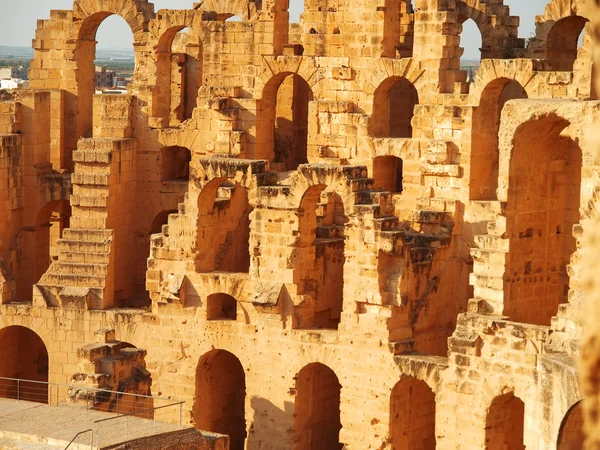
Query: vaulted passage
pixel 317 409
pixel 223 230
pixel 288 101
pixel 484 138
pixel 393 108
pixel 221 307
pixel 571 435
pixel 387 172
pixel 319 271
pixel 562 43
pixel 504 423
pixel 412 415
pixel 93 31
pixel 542 207
pixel 23 355
pixel 219 403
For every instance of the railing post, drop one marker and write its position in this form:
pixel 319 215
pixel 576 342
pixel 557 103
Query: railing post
pixel 18 389
pixel 181 415
pixel 117 404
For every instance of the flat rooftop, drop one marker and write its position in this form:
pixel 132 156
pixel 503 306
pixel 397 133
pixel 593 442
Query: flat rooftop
pixel 29 425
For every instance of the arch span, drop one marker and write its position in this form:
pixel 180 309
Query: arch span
pixel 23 355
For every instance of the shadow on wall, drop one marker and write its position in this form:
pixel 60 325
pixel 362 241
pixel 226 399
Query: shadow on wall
pixel 269 420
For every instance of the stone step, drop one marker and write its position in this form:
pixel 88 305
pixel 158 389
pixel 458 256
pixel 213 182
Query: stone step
pixel 87 235
pixel 60 267
pixel 85 257
pixel 367 197
pixel 390 223
pixel 61 279
pixel 363 184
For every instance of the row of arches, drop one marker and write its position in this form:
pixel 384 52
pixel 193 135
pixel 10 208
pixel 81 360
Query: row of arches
pixel 220 401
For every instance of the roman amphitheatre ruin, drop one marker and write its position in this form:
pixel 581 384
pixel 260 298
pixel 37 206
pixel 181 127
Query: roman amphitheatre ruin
pixel 317 236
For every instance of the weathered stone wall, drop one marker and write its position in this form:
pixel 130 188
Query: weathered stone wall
pixel 328 214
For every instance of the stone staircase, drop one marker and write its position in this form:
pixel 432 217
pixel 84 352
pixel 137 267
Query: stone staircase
pixel 79 277
pixel 489 256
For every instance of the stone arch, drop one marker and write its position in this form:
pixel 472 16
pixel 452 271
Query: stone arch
pixel 319 254
pixel 299 75
pixel 555 11
pixel 88 15
pixel 220 396
pixel 570 434
pixel 23 355
pixel 385 69
pixel 223 227
pixel 489 71
pixel 317 408
pixel 282 128
pixel 544 180
pixel 471 12
pixel 498 36
pixel 221 306
pixel 179 65
pixel 396 94
pixel 561 42
pixel 505 420
pixel 338 179
pixel 39 245
pixel 412 415
pixel 485 156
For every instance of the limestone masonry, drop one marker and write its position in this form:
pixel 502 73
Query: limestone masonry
pixel 320 236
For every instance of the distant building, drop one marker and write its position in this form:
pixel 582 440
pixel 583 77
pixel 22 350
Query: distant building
pixel 105 78
pixel 13 83
pixel 13 72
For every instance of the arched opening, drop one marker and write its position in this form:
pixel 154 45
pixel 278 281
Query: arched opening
pixel 221 307
pixel 223 228
pixel 317 409
pixel 141 295
pixel 39 245
pixel 178 76
pixel 484 139
pixel 186 76
pixel 542 208
pixel 229 18
pixel 505 423
pixel 102 26
pixel 219 402
pixel 162 218
pixel 387 172
pixel 563 41
pixel 471 44
pixel 175 164
pixel 412 415
pixel 571 436
pixel 394 104
pixel 23 356
pixel 319 274
pixel 285 106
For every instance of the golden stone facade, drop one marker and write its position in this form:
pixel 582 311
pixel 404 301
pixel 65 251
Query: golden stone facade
pixel 320 236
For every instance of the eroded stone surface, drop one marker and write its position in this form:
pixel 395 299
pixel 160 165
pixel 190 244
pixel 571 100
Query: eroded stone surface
pixel 318 235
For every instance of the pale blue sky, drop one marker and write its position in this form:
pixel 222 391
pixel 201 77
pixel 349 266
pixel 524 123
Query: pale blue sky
pixel 18 22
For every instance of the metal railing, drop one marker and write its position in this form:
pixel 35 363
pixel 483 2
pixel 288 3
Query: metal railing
pixel 112 430
pixel 82 433
pixel 136 415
